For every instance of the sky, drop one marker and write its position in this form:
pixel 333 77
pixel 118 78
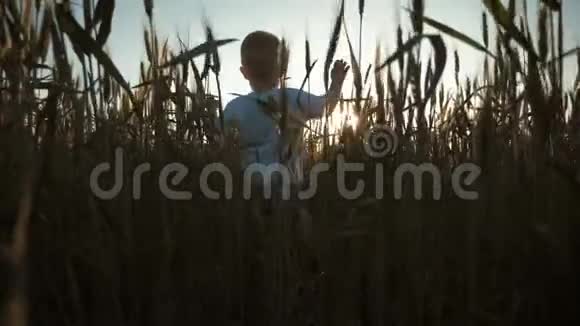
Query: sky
pixel 297 19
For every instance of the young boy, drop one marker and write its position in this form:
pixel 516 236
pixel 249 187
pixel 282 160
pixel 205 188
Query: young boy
pixel 259 134
pixel 261 142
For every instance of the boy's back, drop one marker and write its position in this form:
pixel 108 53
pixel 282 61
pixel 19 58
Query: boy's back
pixel 260 139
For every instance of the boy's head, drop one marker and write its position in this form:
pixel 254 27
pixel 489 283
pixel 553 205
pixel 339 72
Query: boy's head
pixel 260 64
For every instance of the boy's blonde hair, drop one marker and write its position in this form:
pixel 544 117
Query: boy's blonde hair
pixel 259 54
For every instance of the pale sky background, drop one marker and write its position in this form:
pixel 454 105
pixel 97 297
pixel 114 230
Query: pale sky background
pixel 294 20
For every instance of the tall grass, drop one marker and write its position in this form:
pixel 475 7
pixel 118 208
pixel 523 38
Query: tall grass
pixel 66 257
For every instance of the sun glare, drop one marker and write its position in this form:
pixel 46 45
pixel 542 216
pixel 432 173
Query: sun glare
pixel 342 118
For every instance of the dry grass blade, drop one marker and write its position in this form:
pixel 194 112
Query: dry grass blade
pixel 306 78
pixel 198 78
pixel 361 12
pixel 144 83
pixel 526 26
pixel 215 63
pixel 26 13
pixel 512 9
pixel 206 66
pixel 555 5
pixel 207 61
pixel 399 46
pixel 561 45
pixel 485 30
pixel 149 8
pixel 83 40
pixel 428 75
pixel 454 33
pixel 185 66
pixel 358 85
pixel 543 34
pixel 503 18
pixel 380 88
pixel 42 45
pixel 201 49
pixel 367 74
pixel 564 55
pixel 308 59
pixel 98 14
pixel 107 87
pixel 216 69
pixel 88 15
pixel 148 47
pixel 333 44
pixel 513 56
pixel 12 28
pixel 104 14
pixel 457 66
pixel 401 51
pixel 60 56
pixel 283 57
pixel 417 15
pixel 440 53
pixel 577 82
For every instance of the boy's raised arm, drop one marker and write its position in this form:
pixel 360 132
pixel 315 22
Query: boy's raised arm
pixel 315 105
pixel 338 74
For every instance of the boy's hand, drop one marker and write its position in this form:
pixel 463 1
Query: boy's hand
pixel 339 71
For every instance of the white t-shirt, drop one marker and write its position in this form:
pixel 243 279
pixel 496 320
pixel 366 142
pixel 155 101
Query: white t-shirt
pixel 259 134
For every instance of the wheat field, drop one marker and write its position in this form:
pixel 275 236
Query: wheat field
pixel 511 257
